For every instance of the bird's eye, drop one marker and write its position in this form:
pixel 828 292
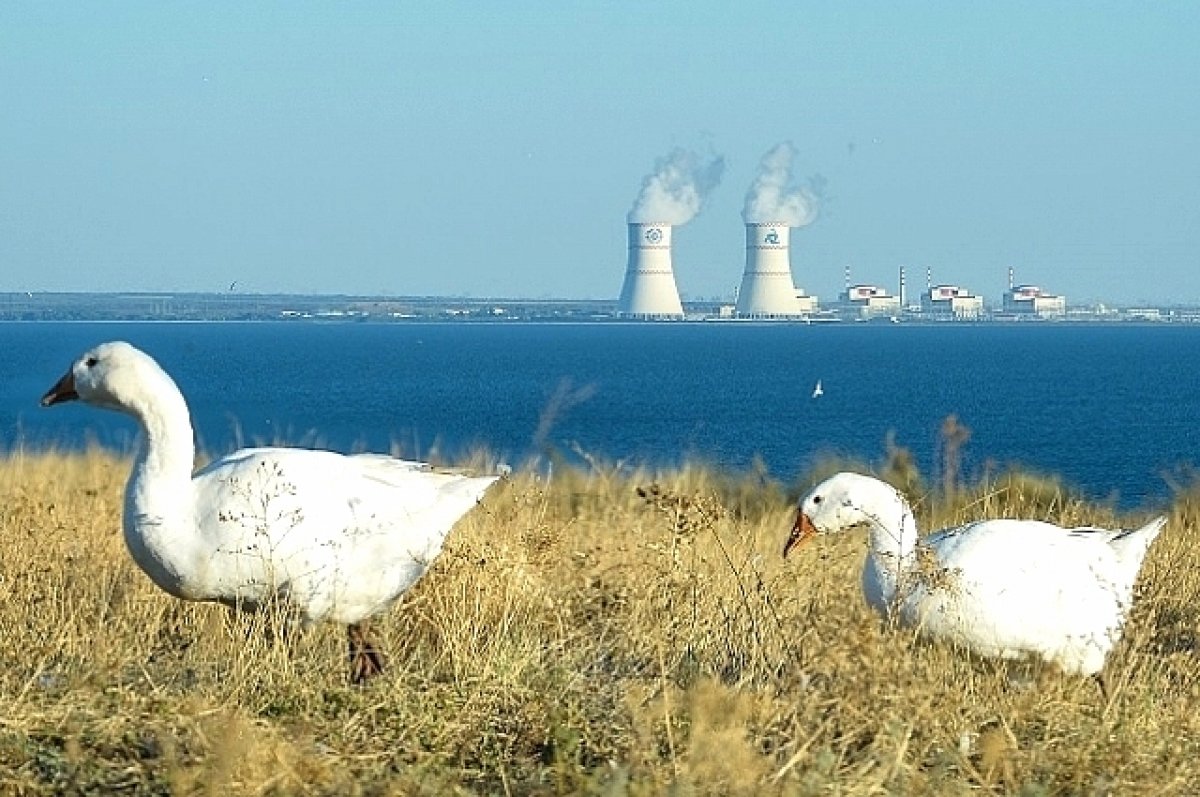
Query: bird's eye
pixel 90 362
pixel 816 499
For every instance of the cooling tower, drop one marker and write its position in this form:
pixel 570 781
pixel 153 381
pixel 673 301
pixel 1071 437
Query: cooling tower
pixel 767 287
pixel 649 290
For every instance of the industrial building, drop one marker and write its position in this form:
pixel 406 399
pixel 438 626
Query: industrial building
pixel 869 301
pixel 951 301
pixel 807 305
pixel 649 290
pixel 1030 300
pixel 767 289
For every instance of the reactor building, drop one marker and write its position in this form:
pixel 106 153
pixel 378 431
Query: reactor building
pixel 951 301
pixel 1032 301
pixel 649 290
pixel 767 290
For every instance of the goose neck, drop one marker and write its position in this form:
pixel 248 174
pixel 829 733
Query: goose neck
pixel 893 529
pixel 168 449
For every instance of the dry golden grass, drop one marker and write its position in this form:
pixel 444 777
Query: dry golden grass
pixel 602 634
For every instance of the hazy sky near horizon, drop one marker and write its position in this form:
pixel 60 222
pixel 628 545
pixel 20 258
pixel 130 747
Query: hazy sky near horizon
pixel 494 149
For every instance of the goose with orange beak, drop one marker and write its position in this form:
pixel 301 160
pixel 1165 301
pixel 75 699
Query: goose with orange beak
pixel 803 530
pixel 1000 587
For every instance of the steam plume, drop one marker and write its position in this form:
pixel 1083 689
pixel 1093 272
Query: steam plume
pixel 773 196
pixel 675 191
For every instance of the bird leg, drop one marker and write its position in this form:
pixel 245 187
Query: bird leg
pixel 1101 679
pixel 366 660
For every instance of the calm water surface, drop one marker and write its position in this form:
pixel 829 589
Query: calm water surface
pixel 1112 409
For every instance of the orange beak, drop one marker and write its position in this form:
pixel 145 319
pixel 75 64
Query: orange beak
pixel 802 532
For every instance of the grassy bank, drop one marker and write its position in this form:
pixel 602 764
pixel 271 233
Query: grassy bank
pixel 607 633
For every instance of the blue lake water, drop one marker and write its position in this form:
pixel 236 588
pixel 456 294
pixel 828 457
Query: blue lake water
pixel 1111 409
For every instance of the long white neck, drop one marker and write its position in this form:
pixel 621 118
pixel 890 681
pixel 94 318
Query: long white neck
pixel 158 518
pixel 893 536
pixel 168 450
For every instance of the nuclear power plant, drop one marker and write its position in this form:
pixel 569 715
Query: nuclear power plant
pixel 675 192
pixel 767 290
pixel 649 289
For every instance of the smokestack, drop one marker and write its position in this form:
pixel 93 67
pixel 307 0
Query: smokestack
pixel 929 278
pixel 847 276
pixel 767 288
pixel 1010 279
pixel 649 290
pixel 902 305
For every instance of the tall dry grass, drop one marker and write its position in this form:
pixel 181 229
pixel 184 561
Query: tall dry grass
pixel 610 632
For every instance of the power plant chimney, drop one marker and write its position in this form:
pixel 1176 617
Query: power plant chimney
pixel 902 305
pixel 649 290
pixel 767 288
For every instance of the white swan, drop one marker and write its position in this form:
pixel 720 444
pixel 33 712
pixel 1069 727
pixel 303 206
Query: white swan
pixel 1000 587
pixel 337 537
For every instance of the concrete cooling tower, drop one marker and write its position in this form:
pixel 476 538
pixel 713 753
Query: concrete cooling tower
pixel 649 290
pixel 767 289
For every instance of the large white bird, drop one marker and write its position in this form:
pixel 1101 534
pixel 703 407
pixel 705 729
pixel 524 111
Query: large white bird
pixel 335 537
pixel 1000 587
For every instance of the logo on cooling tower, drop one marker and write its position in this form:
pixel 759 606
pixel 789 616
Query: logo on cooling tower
pixel 772 237
pixel 653 235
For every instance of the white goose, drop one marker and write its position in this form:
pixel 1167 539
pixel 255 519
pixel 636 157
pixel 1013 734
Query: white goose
pixel 337 537
pixel 1000 587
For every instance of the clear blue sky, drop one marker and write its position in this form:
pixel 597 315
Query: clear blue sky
pixel 494 149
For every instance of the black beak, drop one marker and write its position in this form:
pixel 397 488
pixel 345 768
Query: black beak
pixel 63 390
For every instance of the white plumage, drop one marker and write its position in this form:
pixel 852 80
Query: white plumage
pixel 337 537
pixel 1000 587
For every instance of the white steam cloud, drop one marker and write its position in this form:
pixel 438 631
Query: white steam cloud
pixel 773 196
pixel 675 191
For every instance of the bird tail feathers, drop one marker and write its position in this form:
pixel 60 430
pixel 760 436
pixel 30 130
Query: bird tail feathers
pixel 1131 546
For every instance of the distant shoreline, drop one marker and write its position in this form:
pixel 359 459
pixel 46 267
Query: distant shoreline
pixel 343 308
